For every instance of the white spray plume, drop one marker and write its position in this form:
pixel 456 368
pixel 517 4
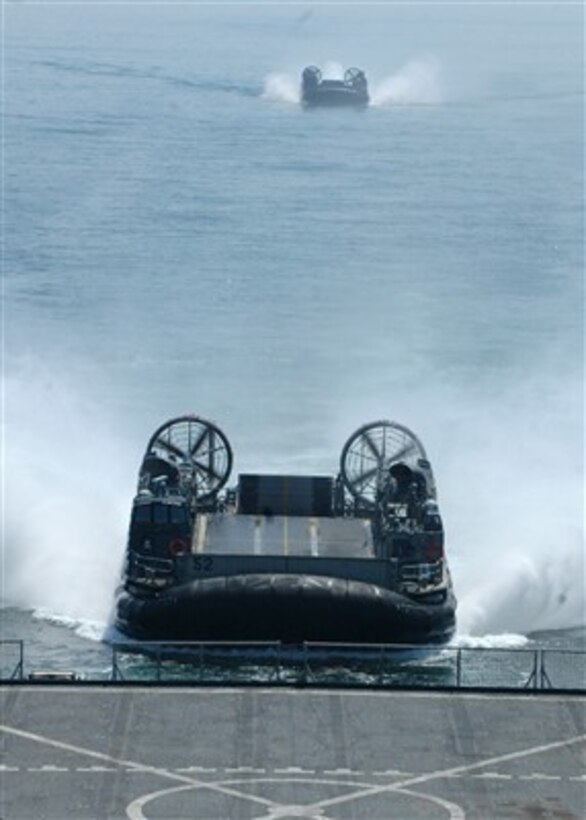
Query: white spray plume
pixel 505 640
pixel 512 487
pixel 509 470
pixel 332 70
pixel 507 458
pixel 417 83
pixel 282 88
pixel 67 489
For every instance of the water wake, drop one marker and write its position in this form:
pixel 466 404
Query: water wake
pixel 84 627
pixel 507 640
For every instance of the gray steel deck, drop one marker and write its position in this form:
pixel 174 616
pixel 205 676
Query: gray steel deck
pixel 283 535
pixel 137 753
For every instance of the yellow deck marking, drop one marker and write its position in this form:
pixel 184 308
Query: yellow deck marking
pixel 199 533
pixel 258 535
pixel 313 536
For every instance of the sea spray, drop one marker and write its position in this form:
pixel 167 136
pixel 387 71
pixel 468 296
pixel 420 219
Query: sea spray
pixel 281 88
pixel 511 487
pixel 504 640
pixel 416 83
pixel 506 452
pixel 507 467
pixel 333 70
pixel 84 627
pixel 68 482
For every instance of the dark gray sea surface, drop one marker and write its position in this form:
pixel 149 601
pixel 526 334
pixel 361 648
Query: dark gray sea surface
pixel 181 235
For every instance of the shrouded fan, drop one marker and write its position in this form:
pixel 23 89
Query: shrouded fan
pixel 354 75
pixel 371 451
pixel 312 74
pixel 197 448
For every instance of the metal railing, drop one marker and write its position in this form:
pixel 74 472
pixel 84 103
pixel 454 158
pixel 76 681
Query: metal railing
pixel 18 670
pixel 317 664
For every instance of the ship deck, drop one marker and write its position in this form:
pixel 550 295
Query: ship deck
pixel 320 537
pixel 88 752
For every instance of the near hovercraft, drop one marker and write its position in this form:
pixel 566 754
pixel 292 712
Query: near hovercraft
pixel 356 558
pixel 351 91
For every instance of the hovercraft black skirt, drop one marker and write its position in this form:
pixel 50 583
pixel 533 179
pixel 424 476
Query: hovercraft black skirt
pixel 285 608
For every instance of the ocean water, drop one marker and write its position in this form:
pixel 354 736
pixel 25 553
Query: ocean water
pixel 181 236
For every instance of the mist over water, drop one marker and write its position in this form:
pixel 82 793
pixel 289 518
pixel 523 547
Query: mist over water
pixel 176 248
pixel 514 483
pixel 417 82
pixel 68 482
pixel 282 88
pixel 509 482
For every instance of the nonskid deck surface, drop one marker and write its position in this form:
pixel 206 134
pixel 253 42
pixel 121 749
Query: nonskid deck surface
pixel 224 533
pixel 139 753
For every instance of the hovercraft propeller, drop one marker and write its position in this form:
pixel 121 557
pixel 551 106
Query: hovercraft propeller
pixel 197 449
pixel 371 451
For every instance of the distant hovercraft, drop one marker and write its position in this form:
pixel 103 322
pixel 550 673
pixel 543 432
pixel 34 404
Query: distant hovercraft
pixel 351 91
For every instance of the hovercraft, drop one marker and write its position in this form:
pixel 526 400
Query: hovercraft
pixel 355 558
pixel 351 91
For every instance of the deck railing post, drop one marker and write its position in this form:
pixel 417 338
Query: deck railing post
pixel 459 667
pixel 532 679
pixel 381 665
pixel 116 671
pixel 535 672
pixel 21 660
pixel 544 677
